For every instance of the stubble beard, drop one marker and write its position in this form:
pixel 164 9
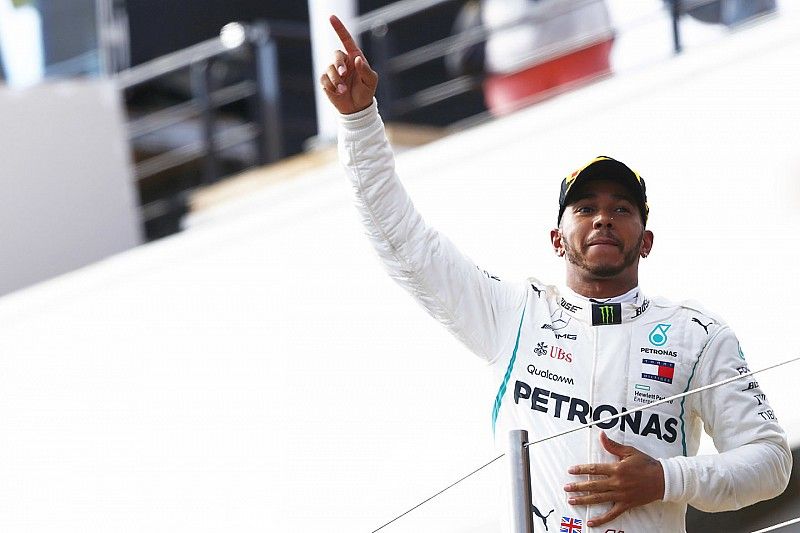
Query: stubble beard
pixel 578 258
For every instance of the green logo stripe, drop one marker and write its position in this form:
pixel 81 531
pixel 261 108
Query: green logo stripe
pixel 499 398
pixel 683 400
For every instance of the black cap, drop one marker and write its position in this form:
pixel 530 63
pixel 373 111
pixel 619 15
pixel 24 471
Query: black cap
pixel 605 168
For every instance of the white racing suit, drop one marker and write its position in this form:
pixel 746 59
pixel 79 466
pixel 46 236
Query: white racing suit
pixel 561 360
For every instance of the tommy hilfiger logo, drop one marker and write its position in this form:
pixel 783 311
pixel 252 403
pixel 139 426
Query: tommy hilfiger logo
pixel 606 314
pixel 656 370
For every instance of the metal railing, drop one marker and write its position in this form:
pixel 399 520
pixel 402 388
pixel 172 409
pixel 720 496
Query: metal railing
pixel 257 44
pixel 376 28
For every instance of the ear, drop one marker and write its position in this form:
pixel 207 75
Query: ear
pixel 558 245
pixel 647 243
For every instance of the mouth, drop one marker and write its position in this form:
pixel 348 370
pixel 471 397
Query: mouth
pixel 604 241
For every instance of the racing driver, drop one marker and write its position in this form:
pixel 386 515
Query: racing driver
pixel 552 349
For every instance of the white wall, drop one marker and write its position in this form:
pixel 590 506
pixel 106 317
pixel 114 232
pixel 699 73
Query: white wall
pixel 260 373
pixel 65 180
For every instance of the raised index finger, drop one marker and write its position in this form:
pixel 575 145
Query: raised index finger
pixel 347 40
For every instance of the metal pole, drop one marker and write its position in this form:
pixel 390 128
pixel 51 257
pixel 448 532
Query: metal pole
pixel 379 37
pixel 676 26
pixel 201 80
pixel 520 462
pixel 265 49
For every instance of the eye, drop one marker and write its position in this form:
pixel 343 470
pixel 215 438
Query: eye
pixel 623 209
pixel 584 209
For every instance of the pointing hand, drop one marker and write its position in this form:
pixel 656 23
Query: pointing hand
pixel 349 82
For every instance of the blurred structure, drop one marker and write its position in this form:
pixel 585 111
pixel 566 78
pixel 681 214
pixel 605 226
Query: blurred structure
pixel 725 12
pixel 69 198
pixel 199 111
pixel 188 385
pixel 540 47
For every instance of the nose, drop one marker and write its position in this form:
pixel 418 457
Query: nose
pixel 603 218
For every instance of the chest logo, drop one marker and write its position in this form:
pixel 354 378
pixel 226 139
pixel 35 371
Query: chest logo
pixel 654 369
pixel 658 337
pixel 541 349
pixel 606 314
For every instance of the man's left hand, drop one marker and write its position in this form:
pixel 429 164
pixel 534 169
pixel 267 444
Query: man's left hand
pixel 637 479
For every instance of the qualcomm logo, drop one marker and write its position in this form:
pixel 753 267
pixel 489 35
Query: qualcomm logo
pixel 658 337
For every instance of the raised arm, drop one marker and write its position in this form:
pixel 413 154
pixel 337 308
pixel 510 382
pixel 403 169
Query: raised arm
pixel 475 307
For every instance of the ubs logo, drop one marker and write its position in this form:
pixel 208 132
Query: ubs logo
pixel 556 352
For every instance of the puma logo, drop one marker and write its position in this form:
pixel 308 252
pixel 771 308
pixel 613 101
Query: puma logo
pixel 538 290
pixel 705 326
pixel 544 518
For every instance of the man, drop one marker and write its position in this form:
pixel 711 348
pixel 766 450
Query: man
pixel 568 356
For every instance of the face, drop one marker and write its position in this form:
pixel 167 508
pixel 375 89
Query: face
pixel 601 232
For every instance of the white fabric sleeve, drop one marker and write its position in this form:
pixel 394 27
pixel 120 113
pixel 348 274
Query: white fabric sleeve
pixel 754 462
pixel 473 305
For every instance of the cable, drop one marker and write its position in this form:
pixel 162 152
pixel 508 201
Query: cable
pixel 778 526
pixel 441 491
pixel 659 402
pixel 602 420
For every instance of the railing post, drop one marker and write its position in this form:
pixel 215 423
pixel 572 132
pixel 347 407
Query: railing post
pixel 675 10
pixel 265 53
pixel 201 89
pixel 379 37
pixel 520 463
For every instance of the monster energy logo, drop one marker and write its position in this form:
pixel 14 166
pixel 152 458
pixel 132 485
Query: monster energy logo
pixel 606 314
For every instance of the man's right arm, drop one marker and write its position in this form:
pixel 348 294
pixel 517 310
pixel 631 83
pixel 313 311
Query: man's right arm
pixel 475 307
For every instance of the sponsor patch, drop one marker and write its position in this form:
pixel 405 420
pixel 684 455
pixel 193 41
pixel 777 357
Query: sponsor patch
pixel 571 525
pixel 654 369
pixel 546 374
pixel 568 306
pixel 606 314
pixel 658 337
pixel 659 351
pixel 642 308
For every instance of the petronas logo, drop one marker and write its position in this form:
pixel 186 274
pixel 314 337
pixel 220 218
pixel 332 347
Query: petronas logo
pixel 658 337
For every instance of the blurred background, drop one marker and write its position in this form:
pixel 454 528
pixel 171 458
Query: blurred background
pixel 196 336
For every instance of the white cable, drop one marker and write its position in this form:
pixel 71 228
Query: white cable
pixel 602 420
pixel 659 402
pixel 778 526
